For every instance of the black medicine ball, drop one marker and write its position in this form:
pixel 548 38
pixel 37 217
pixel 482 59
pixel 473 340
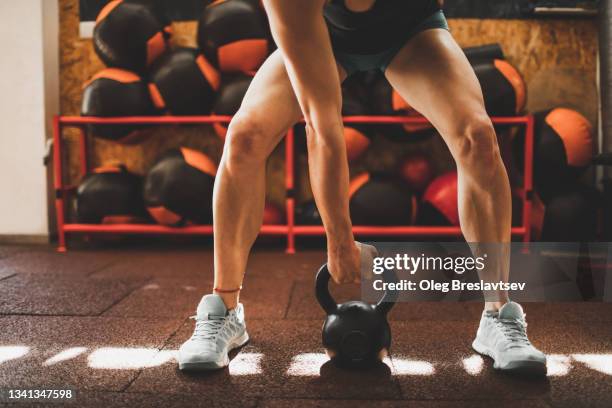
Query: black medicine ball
pixel 229 99
pixel 179 187
pixel 572 216
pixel 381 200
pixel 563 149
pixel 308 214
pixel 115 92
pixel 503 87
pixel 380 94
pixel 234 35
pixel 357 136
pixel 130 34
pixel 484 53
pixel 110 195
pixel 184 83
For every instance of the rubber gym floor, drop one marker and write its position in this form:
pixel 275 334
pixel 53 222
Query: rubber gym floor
pixel 107 323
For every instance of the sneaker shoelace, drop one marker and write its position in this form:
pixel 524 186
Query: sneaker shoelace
pixel 208 328
pixel 515 330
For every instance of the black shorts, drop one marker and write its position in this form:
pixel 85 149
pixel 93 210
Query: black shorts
pixel 364 62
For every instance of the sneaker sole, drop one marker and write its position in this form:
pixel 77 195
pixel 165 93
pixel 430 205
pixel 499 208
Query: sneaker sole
pixel 216 365
pixel 522 367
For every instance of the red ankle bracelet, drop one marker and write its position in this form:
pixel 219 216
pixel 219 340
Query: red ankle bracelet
pixel 219 290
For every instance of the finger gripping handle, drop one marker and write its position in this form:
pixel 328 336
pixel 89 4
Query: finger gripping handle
pixel 322 291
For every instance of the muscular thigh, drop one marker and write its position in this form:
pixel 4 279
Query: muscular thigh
pixel 270 104
pixel 433 75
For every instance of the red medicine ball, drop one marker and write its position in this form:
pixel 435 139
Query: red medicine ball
pixel 234 35
pixel 440 203
pixel 130 34
pixel 273 215
pixel 417 171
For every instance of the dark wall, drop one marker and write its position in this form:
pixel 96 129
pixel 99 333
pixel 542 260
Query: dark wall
pixel 185 10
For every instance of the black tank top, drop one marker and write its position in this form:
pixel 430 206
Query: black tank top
pixel 385 24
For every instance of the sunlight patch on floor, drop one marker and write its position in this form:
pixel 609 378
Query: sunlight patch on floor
pixel 8 353
pixel 64 355
pixel 301 365
pixel 246 364
pixel 597 362
pixel 307 364
pixel 473 364
pixel 117 358
pixel 404 366
pixel 558 365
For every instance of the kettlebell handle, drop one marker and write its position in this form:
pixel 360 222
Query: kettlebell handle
pixel 330 306
pixel 325 299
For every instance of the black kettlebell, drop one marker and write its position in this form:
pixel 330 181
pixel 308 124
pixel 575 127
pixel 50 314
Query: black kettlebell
pixel 355 334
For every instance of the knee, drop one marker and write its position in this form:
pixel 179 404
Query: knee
pixel 245 145
pixel 478 148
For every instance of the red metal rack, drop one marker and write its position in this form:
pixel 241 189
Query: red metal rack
pixel 290 230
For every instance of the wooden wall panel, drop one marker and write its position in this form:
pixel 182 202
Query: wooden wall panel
pixel 558 58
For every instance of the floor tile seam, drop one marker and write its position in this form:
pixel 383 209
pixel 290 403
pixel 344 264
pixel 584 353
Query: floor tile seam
pixel 117 301
pixel 162 347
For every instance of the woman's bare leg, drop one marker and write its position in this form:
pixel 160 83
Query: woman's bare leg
pixel 433 75
pixel 269 108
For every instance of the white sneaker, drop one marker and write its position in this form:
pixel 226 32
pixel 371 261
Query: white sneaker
pixel 503 337
pixel 217 332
